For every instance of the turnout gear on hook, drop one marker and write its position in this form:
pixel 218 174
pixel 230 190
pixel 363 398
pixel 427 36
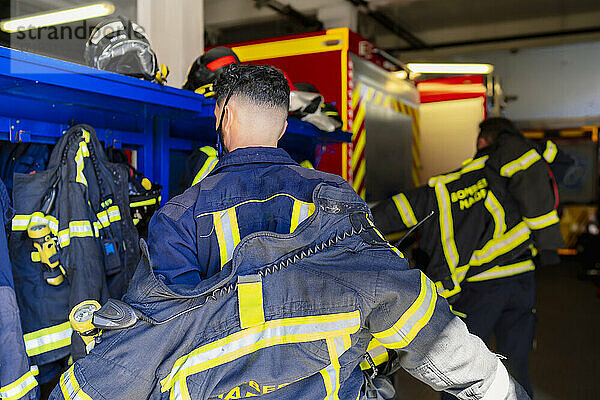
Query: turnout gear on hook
pixel 94 235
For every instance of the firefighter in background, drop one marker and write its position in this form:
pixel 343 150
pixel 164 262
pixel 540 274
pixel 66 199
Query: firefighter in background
pixel 530 170
pixel 480 254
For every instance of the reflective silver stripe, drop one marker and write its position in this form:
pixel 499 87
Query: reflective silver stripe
pixel 413 320
pixel 48 339
pixel 21 222
pixel 501 245
pixel 70 387
pixel 520 164
pixel 468 166
pixel 405 210
pixel 271 333
pixel 228 235
pixel 19 388
pixel 550 152
pixel 203 173
pixel 446 226
pixel 497 211
pixel 300 212
pixel 503 271
pixel 542 221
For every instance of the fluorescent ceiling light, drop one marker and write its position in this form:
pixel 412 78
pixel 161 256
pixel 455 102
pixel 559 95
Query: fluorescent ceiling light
pixel 440 68
pixel 57 17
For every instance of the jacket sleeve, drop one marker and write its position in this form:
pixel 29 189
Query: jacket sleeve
pixel 402 211
pixel 172 245
pixel 434 345
pixel 531 185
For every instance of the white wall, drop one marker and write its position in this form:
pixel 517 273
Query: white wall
pixel 559 82
pixel 448 134
pixel 176 31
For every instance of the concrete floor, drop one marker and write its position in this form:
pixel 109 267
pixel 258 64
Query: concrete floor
pixel 565 363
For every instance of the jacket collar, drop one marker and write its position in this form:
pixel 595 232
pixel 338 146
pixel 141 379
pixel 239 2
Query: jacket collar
pixel 254 155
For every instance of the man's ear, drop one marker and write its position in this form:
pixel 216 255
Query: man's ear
pixel 285 124
pixel 228 117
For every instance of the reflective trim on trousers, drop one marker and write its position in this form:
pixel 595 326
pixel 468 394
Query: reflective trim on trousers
pixel 70 387
pixel 19 388
pixel 413 320
pixel 331 374
pixel 271 333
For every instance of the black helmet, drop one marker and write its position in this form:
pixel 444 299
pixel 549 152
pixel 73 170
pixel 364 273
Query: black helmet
pixel 206 68
pixel 119 45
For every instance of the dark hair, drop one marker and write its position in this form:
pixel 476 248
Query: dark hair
pixel 493 127
pixel 261 84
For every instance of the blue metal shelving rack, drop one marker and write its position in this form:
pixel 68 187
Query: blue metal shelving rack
pixel 41 97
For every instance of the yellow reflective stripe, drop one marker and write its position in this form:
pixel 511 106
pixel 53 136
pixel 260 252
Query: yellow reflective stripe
pixel 550 152
pixel 70 387
pixel 209 165
pixel 405 210
pixel 543 221
pixel 520 164
pixel 446 226
pixel 228 233
pixel 35 256
pixel 501 245
pixel 82 152
pixel 300 212
pixel 112 214
pixel 413 320
pixel 141 203
pixel 331 373
pixel 307 164
pixel 497 211
pixel 20 222
pixel 503 271
pixel 48 339
pixel 250 301
pixel 468 166
pixel 80 229
pixel 19 388
pixel 378 353
pixel 251 201
pixel 271 333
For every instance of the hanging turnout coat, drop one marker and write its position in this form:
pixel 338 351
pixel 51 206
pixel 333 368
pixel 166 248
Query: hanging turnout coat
pixel 91 225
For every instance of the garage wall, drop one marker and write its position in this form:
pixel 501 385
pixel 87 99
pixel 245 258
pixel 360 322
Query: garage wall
pixel 551 82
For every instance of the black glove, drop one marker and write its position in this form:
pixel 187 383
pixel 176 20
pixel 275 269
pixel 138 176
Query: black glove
pixel 548 258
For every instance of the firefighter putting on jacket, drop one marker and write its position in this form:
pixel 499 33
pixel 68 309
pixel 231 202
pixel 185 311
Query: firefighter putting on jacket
pixel 269 279
pixel 480 244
